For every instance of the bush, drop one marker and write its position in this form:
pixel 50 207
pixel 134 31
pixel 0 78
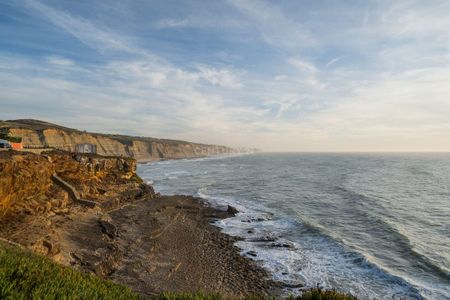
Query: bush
pixel 14 139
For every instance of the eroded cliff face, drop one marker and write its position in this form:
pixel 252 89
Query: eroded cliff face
pixel 25 181
pixel 34 204
pixel 26 184
pixel 140 148
pixel 98 178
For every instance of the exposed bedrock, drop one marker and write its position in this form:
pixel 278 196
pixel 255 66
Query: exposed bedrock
pixel 39 134
pixel 29 182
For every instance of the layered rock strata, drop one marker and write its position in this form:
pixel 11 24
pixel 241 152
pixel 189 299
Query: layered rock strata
pixel 38 135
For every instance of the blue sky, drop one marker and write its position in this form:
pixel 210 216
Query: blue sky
pixel 278 75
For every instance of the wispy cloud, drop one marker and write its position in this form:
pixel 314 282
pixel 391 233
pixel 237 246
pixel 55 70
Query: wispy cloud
pixel 275 27
pixel 334 60
pixel 82 29
pixel 171 23
pixel 303 65
pixel 280 76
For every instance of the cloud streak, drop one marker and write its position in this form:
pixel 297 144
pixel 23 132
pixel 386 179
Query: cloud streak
pixel 282 77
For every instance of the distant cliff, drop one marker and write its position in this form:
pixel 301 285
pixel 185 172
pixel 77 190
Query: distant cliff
pixel 39 134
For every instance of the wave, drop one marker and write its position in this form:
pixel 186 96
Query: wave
pixel 197 159
pixel 262 235
pixel 324 233
pixel 392 232
pixel 358 257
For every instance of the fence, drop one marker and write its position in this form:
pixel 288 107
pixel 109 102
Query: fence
pixel 41 146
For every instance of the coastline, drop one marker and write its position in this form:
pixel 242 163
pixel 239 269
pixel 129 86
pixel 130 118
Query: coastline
pixel 134 236
pixel 168 244
pixel 155 160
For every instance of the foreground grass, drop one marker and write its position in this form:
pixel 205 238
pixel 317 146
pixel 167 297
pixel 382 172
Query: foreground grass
pixel 24 275
pixel 319 294
pixel 313 294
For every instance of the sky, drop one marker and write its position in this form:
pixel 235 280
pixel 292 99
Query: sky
pixel 286 75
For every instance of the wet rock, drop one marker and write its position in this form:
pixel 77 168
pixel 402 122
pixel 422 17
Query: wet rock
pixel 232 210
pixel 292 285
pixel 267 238
pixel 256 219
pixel 282 245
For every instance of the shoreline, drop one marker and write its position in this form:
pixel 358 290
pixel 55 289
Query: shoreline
pixel 151 245
pixel 133 236
pixel 146 161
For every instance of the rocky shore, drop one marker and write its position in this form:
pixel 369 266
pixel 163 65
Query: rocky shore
pixel 132 236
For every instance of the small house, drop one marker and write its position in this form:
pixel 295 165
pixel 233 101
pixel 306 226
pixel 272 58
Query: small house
pixel 14 142
pixel 16 146
pixel 86 148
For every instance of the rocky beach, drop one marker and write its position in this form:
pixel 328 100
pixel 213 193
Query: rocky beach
pixel 130 234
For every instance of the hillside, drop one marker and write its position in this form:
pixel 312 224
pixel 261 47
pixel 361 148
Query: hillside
pixel 39 134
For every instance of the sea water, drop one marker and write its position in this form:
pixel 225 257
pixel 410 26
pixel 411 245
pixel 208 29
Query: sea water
pixel 374 225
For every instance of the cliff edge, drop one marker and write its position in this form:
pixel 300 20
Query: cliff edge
pixel 131 236
pixel 37 134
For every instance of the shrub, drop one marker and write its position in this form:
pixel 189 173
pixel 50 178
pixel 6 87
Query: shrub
pixel 14 139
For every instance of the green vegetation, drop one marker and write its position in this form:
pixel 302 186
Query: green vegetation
pixel 13 139
pixel 313 294
pixel 24 275
pixel 319 294
pixel 188 296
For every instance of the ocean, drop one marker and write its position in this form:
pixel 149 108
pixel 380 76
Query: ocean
pixel 374 225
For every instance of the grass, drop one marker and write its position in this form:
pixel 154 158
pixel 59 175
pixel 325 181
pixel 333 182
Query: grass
pixel 188 296
pixel 313 294
pixel 319 294
pixel 24 275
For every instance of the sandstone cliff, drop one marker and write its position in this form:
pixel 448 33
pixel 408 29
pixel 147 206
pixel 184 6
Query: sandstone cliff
pixel 39 134
pixel 27 180
pixel 35 200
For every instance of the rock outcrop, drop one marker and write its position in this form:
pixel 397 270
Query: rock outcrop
pixel 39 134
pixel 132 236
pixel 25 180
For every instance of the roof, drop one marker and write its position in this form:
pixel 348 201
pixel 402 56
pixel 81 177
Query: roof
pixel 4 141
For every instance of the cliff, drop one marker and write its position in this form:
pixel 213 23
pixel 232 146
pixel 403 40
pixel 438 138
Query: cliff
pixel 27 180
pixel 38 134
pixel 131 235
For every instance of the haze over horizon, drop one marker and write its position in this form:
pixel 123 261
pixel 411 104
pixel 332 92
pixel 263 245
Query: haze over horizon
pixel 280 76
